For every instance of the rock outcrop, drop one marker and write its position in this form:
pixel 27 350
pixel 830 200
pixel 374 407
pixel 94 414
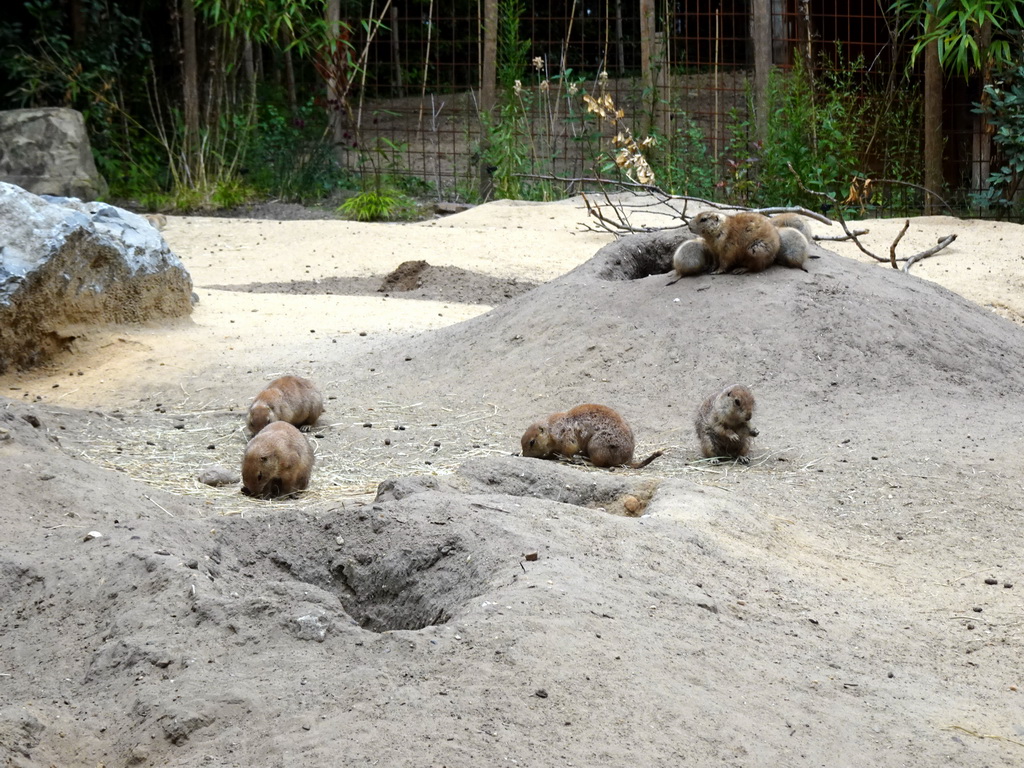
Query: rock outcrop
pixel 46 151
pixel 67 265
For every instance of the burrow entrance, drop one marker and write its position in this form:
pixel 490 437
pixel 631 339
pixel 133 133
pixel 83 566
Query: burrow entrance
pixel 388 572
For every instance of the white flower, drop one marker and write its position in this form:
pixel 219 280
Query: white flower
pixel 517 88
pixel 538 63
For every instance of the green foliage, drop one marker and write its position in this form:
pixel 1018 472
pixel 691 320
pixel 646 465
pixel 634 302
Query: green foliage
pixel 507 152
pixel 512 51
pixel 290 157
pixel 680 161
pixel 956 26
pixel 817 127
pixel 1004 107
pixel 378 205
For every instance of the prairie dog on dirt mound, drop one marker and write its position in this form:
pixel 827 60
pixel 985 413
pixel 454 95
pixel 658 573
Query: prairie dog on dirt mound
pixel 743 242
pixel 595 431
pixel 691 258
pixel 289 398
pixel 723 424
pixel 278 461
pixel 794 240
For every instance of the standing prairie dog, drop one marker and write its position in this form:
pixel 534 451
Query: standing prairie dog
pixel 277 462
pixel 289 398
pixel 595 431
pixel 743 242
pixel 723 424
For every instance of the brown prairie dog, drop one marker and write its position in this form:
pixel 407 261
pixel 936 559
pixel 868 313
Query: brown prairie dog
pixel 723 424
pixel 277 462
pixel 595 431
pixel 743 242
pixel 289 398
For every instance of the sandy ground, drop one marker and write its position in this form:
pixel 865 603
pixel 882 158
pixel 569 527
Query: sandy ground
pixel 851 598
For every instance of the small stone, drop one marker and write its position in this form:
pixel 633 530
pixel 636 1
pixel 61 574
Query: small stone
pixel 976 609
pixel 216 475
pixel 367 424
pixel 991 580
pixel 540 693
pixel 1007 585
pixel 970 626
pixel 631 503
pixel 92 535
pixel 339 541
pixel 530 556
pixel 387 441
pixel 162 553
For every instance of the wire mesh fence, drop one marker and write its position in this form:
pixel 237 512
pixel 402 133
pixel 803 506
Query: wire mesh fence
pixel 680 71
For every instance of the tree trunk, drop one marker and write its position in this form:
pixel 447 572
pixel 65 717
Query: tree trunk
pixel 488 89
pixel 982 136
pixel 289 70
pixel 619 43
pixel 397 86
pixel 761 35
pixel 334 95
pixel 932 124
pixel 190 95
pixel 647 48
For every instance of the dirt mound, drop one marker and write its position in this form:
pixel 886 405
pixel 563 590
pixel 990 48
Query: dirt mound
pixel 842 343
pixel 854 591
pixel 410 280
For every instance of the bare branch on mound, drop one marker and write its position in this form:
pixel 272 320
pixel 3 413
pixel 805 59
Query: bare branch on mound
pixel 840 238
pixel 927 191
pixel 838 209
pixel 930 252
pixel 677 205
pixel 852 235
pixel 892 248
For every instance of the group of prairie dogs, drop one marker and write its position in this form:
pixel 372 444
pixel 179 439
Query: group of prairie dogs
pixel 742 242
pixel 278 459
pixel 603 436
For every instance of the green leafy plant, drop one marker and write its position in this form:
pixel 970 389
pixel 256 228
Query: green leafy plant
pixel 1005 110
pixel 960 29
pixel 290 157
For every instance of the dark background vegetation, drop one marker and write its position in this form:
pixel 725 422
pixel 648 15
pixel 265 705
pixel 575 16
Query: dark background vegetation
pixel 200 104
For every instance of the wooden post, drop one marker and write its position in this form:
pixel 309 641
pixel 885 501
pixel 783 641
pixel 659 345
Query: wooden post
pixel 761 37
pixel 932 124
pixel 488 89
pixel 620 45
pixel 396 60
pixel 647 52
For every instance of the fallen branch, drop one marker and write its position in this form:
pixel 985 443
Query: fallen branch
pixel 850 235
pixel 930 252
pixel 620 223
pixel 892 248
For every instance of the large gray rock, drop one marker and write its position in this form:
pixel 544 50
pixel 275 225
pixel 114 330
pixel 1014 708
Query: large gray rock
pixel 65 265
pixel 47 151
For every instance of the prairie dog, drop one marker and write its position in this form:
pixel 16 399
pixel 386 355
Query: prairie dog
pixel 796 221
pixel 743 242
pixel 691 258
pixel 793 251
pixel 723 424
pixel 595 431
pixel 794 248
pixel 289 398
pixel 278 461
